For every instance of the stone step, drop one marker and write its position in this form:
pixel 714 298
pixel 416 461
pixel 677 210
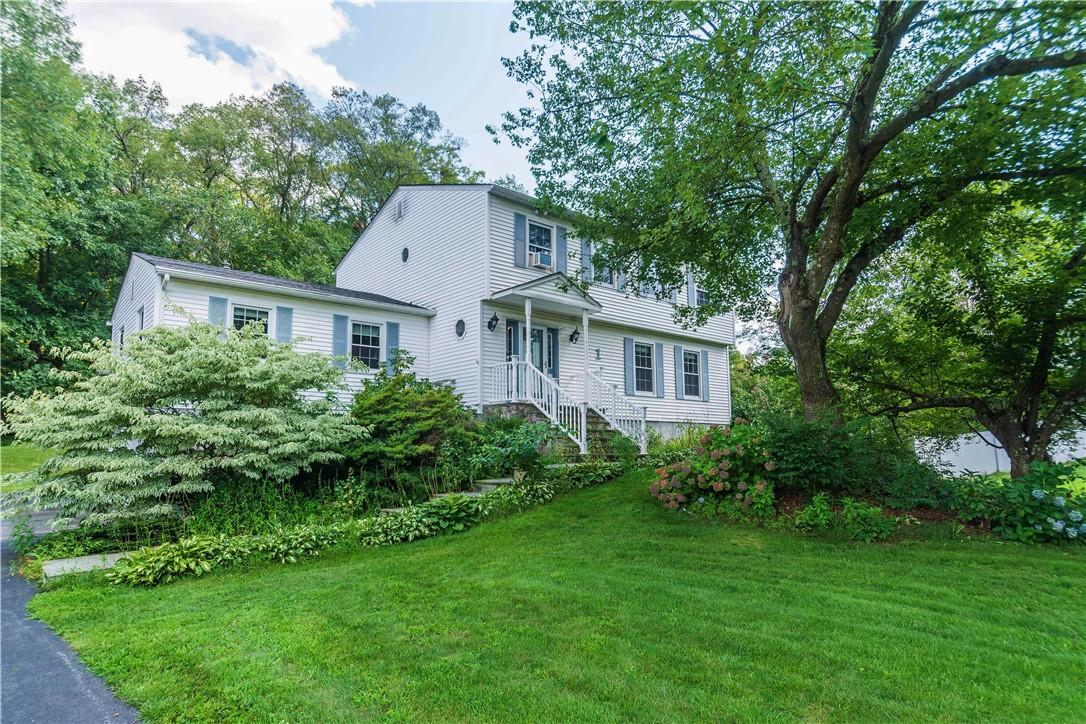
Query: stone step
pixel 467 494
pixel 391 511
pixel 495 481
pixel 80 564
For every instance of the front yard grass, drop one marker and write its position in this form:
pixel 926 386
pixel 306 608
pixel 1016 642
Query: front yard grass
pixel 602 606
pixel 16 458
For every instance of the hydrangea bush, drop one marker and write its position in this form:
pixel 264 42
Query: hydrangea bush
pixel 1036 508
pixel 727 473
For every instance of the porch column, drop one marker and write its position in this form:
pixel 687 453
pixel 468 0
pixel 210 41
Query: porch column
pixel 584 334
pixel 526 348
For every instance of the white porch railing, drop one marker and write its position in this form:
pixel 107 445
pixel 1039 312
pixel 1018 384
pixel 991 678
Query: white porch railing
pixel 522 381
pixel 613 406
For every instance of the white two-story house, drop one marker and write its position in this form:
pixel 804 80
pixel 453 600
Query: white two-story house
pixel 457 275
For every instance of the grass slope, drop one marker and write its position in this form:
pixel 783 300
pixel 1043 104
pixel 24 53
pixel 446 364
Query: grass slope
pixel 602 606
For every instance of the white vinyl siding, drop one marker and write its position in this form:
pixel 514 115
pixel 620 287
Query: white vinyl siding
pixel 619 307
pixel 311 320
pixel 138 292
pixel 444 230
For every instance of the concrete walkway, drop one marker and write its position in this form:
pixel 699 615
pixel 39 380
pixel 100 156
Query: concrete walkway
pixel 41 678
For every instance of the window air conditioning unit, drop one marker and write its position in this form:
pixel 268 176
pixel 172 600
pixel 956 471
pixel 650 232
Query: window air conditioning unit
pixel 535 259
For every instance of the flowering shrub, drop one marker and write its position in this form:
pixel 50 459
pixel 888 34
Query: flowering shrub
pixel 1035 508
pixel 726 471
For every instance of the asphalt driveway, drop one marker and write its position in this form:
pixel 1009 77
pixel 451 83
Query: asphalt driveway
pixel 41 678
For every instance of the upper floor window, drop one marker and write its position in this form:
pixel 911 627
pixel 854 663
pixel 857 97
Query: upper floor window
pixel 691 374
pixel 644 378
pixel 605 276
pixel 539 242
pixel 701 296
pixel 245 315
pixel 366 344
pixel 139 318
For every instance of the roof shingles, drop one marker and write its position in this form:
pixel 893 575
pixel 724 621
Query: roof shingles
pixel 244 276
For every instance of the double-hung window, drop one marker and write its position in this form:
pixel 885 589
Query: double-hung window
pixel 366 344
pixel 247 315
pixel 691 374
pixel 605 276
pixel 644 378
pixel 539 242
pixel 701 296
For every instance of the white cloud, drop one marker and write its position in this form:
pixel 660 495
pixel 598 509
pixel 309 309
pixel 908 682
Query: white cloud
pixel 181 45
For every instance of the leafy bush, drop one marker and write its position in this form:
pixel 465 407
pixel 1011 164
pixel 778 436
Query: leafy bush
pixel 860 457
pixel 262 508
pixel 1034 508
pixel 412 523
pixel 729 464
pixel 865 522
pixel 203 409
pixel 817 515
pixel 858 520
pixel 510 445
pixel 410 419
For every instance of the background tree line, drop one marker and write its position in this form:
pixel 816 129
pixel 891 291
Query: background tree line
pixel 94 169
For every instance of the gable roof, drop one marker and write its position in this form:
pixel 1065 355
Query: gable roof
pixel 290 285
pixel 555 288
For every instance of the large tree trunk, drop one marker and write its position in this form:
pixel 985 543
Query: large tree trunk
pixel 1022 448
pixel 800 332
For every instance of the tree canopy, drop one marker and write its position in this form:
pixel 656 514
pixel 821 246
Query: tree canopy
pixel 790 144
pixel 93 170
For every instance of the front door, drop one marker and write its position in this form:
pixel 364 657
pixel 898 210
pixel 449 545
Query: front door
pixel 542 347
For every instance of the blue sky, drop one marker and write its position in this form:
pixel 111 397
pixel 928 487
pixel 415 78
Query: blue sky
pixel 445 55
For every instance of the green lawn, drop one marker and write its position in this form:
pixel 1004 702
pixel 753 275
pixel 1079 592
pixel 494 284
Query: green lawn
pixel 16 458
pixel 602 606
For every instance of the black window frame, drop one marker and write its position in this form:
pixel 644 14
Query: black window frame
pixel 691 379
pixel 639 370
pixel 368 351
pixel 262 315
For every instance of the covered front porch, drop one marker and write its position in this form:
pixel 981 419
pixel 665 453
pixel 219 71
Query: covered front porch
pixel 540 353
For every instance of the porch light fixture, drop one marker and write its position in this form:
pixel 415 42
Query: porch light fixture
pixel 492 323
pixel 574 335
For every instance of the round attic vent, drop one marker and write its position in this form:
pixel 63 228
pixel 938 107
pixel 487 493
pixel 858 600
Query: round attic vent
pixel 460 327
pixel 403 255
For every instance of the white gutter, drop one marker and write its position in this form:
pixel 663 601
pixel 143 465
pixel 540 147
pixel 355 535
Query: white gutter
pixel 290 292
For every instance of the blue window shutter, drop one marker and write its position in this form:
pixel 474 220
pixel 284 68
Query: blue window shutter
pixel 674 296
pixel 587 272
pixel 659 369
pixel 691 289
pixel 703 373
pixel 628 366
pixel 620 281
pixel 515 326
pixel 392 342
pixel 216 310
pixel 553 334
pixel 520 240
pixel 339 339
pixel 284 324
pixel 680 387
pixel 561 257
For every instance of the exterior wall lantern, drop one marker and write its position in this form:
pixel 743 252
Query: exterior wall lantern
pixel 574 335
pixel 492 323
